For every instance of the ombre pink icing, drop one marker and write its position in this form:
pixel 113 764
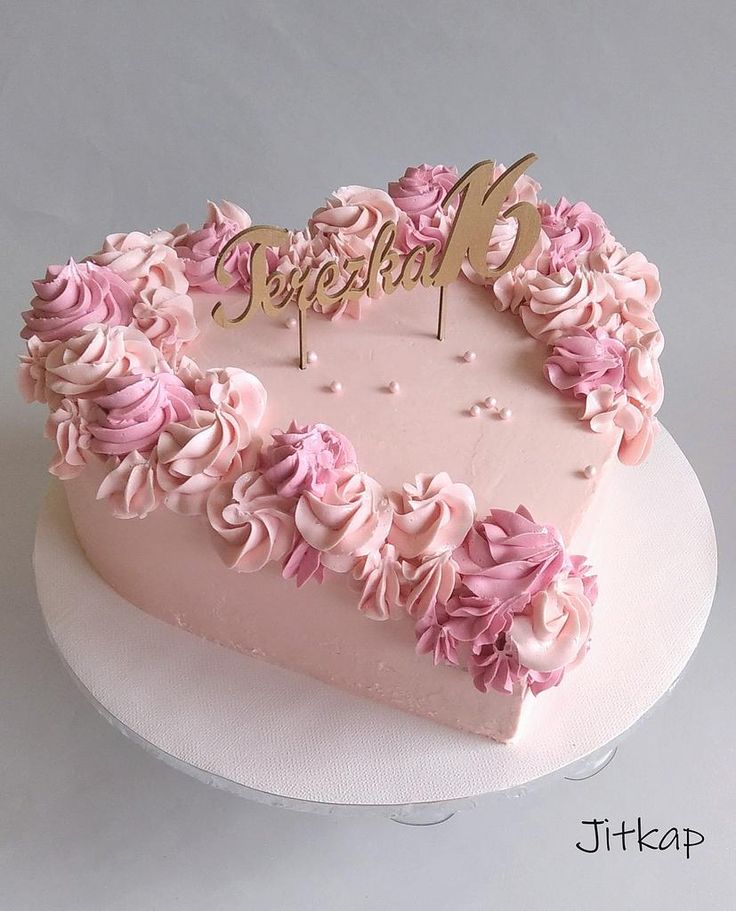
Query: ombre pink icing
pixel 131 487
pixel 563 301
pixel 509 556
pixel 80 366
pixel 145 261
pixel 584 360
pixel 167 319
pixel 306 458
pixel 574 230
pixel 73 296
pixel 199 249
pixel 133 410
pixel 68 427
pixel 421 190
pixel 350 520
pixel 253 525
pixel 430 515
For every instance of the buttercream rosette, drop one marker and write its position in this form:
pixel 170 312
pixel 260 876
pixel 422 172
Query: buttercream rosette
pixel 144 261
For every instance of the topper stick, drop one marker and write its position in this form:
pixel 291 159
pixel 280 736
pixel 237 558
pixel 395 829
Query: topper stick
pixel 441 317
pixel 302 342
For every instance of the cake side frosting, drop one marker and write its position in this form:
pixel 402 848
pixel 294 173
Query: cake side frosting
pixel 327 496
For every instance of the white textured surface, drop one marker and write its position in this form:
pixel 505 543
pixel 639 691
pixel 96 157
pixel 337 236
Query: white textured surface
pixel 279 732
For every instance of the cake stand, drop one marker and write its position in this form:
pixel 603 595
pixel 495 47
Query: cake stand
pixel 280 738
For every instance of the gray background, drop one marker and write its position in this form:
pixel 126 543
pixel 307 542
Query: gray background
pixel 124 115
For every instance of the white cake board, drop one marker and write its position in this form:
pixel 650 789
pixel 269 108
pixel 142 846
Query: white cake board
pixel 283 738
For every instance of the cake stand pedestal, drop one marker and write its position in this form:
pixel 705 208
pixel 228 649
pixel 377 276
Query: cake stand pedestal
pixel 282 739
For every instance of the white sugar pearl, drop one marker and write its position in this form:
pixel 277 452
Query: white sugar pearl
pixel 491 403
pixel 311 357
pixel 469 357
pixel 291 322
pixel 393 387
pixel 590 471
pixel 474 411
pixel 505 413
pixel 336 386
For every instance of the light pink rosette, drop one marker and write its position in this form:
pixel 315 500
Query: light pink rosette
pixel 350 520
pixel 630 275
pixel 421 190
pixel 638 327
pixel 643 378
pixel 73 296
pixel 252 523
pixel 131 487
pixel 584 360
pixel 496 666
pixel 381 577
pixel 434 637
pixel 67 426
pixel 144 260
pixel 351 220
pixel 553 633
pixel 510 291
pixel 306 458
pixel 639 428
pixel 430 515
pixel 78 367
pixel 32 371
pixel 167 319
pixel 574 231
pixel 131 412
pixel 235 392
pixel 525 188
pixel 508 556
pixel 563 301
pixel 199 249
pixel 193 456
pixel 428 582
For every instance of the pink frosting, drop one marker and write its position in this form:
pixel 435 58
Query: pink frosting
pixel 630 275
pixel 68 427
pixel 499 246
pixel 351 520
pixel 32 371
pixel 131 487
pixel 478 621
pixel 309 255
pixel 427 231
pixel 430 515
pixel 434 637
pixel 525 188
pixel 80 366
pixel 306 459
pixel 429 582
pixel 193 456
pixel 496 666
pixel 509 556
pixel 563 301
pixel 584 360
pixel 144 260
pixel 554 631
pixel 421 191
pixel 639 429
pixel 574 230
pixel 381 577
pixel 167 319
pixel 352 218
pixel 253 524
pixel 235 392
pixel 199 249
pixel 73 296
pixel 132 411
pixel 303 563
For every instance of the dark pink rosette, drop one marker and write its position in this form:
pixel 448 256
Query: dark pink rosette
pixel 421 191
pixel 584 360
pixel 72 297
pixel 574 230
pixel 306 458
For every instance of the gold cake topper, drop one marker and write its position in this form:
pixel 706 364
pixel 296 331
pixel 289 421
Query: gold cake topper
pixel 480 202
